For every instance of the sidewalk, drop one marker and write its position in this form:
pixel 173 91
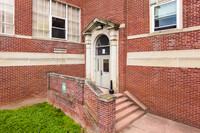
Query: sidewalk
pixel 154 124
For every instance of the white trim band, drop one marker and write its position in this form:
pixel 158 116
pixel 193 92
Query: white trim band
pixel 176 58
pixel 38 38
pixel 158 33
pixel 29 59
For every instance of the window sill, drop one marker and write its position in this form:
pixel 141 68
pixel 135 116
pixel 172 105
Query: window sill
pixel 63 40
pixel 7 35
pixel 38 38
pixel 165 32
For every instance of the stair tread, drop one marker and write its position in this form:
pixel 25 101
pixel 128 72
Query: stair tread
pixel 122 99
pixel 133 98
pixel 128 120
pixel 128 103
pixel 129 110
pixel 118 95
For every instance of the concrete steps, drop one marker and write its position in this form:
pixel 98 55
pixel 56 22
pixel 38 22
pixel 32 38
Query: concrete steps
pixel 121 100
pixel 128 120
pixel 126 112
pixel 123 114
pixel 119 95
pixel 123 106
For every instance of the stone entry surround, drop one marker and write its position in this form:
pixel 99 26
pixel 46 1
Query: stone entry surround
pixel 91 35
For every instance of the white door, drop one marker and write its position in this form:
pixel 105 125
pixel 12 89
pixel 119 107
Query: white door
pixel 103 71
pixel 102 62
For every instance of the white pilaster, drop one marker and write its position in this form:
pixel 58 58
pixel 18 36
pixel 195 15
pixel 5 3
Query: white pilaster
pixel 114 58
pixel 88 55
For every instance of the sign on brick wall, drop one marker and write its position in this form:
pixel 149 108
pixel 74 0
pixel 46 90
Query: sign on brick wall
pixel 64 87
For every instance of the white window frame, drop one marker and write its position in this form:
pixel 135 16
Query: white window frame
pixel 53 16
pixel 179 17
pixel 43 14
pixel 79 34
pixel 66 22
pixel 13 24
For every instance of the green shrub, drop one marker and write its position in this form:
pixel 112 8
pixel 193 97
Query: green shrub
pixel 41 118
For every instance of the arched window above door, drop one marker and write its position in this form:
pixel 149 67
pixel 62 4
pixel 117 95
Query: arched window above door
pixel 103 45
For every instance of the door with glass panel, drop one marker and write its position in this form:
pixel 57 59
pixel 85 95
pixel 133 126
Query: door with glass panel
pixel 102 65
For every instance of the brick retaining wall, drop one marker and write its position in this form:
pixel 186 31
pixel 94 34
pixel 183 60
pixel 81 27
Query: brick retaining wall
pixel 83 102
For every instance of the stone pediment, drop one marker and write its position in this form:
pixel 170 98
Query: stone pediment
pixel 93 25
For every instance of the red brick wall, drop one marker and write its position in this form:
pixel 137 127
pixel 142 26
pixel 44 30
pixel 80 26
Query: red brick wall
pixel 106 116
pixel 169 92
pixel 24 82
pixel 179 41
pixel 191 13
pixel 102 113
pixel 122 59
pixel 173 93
pixel 19 83
pixel 23 17
pixel 138 15
pixel 91 101
pixel 112 10
pixel 11 44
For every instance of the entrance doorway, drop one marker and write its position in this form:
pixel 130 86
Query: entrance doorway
pixel 102 62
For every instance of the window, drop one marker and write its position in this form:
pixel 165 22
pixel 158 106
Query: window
pixel 7 16
pixel 166 15
pixel 41 18
pixel 64 20
pixel 58 20
pixel 103 46
pixel 73 24
pixel 58 28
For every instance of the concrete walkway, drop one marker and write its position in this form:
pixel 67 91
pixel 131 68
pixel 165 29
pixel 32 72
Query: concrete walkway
pixel 153 124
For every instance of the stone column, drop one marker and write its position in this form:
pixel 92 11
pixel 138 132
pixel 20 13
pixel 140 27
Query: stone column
pixel 88 55
pixel 114 58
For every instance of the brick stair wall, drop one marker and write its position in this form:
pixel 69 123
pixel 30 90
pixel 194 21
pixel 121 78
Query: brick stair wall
pixel 83 102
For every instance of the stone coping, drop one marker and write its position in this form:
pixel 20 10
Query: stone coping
pixel 76 79
pixel 101 96
pixel 107 97
pixel 93 87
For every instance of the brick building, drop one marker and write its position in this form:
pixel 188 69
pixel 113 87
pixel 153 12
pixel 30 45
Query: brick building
pixel 150 48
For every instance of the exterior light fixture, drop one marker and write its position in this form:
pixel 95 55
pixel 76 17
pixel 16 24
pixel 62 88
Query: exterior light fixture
pixel 99 26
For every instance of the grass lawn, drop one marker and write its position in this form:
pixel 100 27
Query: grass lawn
pixel 41 118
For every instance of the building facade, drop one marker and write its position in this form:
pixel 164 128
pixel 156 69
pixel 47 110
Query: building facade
pixel 150 48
